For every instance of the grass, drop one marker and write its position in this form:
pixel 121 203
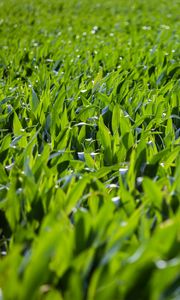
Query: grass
pixel 89 150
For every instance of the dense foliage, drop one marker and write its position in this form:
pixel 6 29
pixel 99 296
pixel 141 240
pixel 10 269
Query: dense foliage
pixel 89 149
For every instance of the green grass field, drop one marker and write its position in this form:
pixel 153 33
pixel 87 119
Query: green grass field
pixel 89 150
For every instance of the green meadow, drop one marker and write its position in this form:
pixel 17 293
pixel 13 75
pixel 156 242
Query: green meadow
pixel 89 150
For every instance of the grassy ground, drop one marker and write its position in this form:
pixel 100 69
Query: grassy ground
pixel 89 150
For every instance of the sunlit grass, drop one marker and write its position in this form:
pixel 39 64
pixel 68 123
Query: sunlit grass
pixel 89 150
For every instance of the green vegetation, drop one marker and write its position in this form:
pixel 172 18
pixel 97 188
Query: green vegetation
pixel 89 150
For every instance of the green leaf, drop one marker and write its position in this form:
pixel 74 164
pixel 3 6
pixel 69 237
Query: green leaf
pixel 105 140
pixel 75 194
pixel 17 127
pixel 152 191
pixel 116 118
pixel 35 101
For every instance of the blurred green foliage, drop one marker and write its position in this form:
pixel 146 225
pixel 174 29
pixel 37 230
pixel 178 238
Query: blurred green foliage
pixel 89 150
